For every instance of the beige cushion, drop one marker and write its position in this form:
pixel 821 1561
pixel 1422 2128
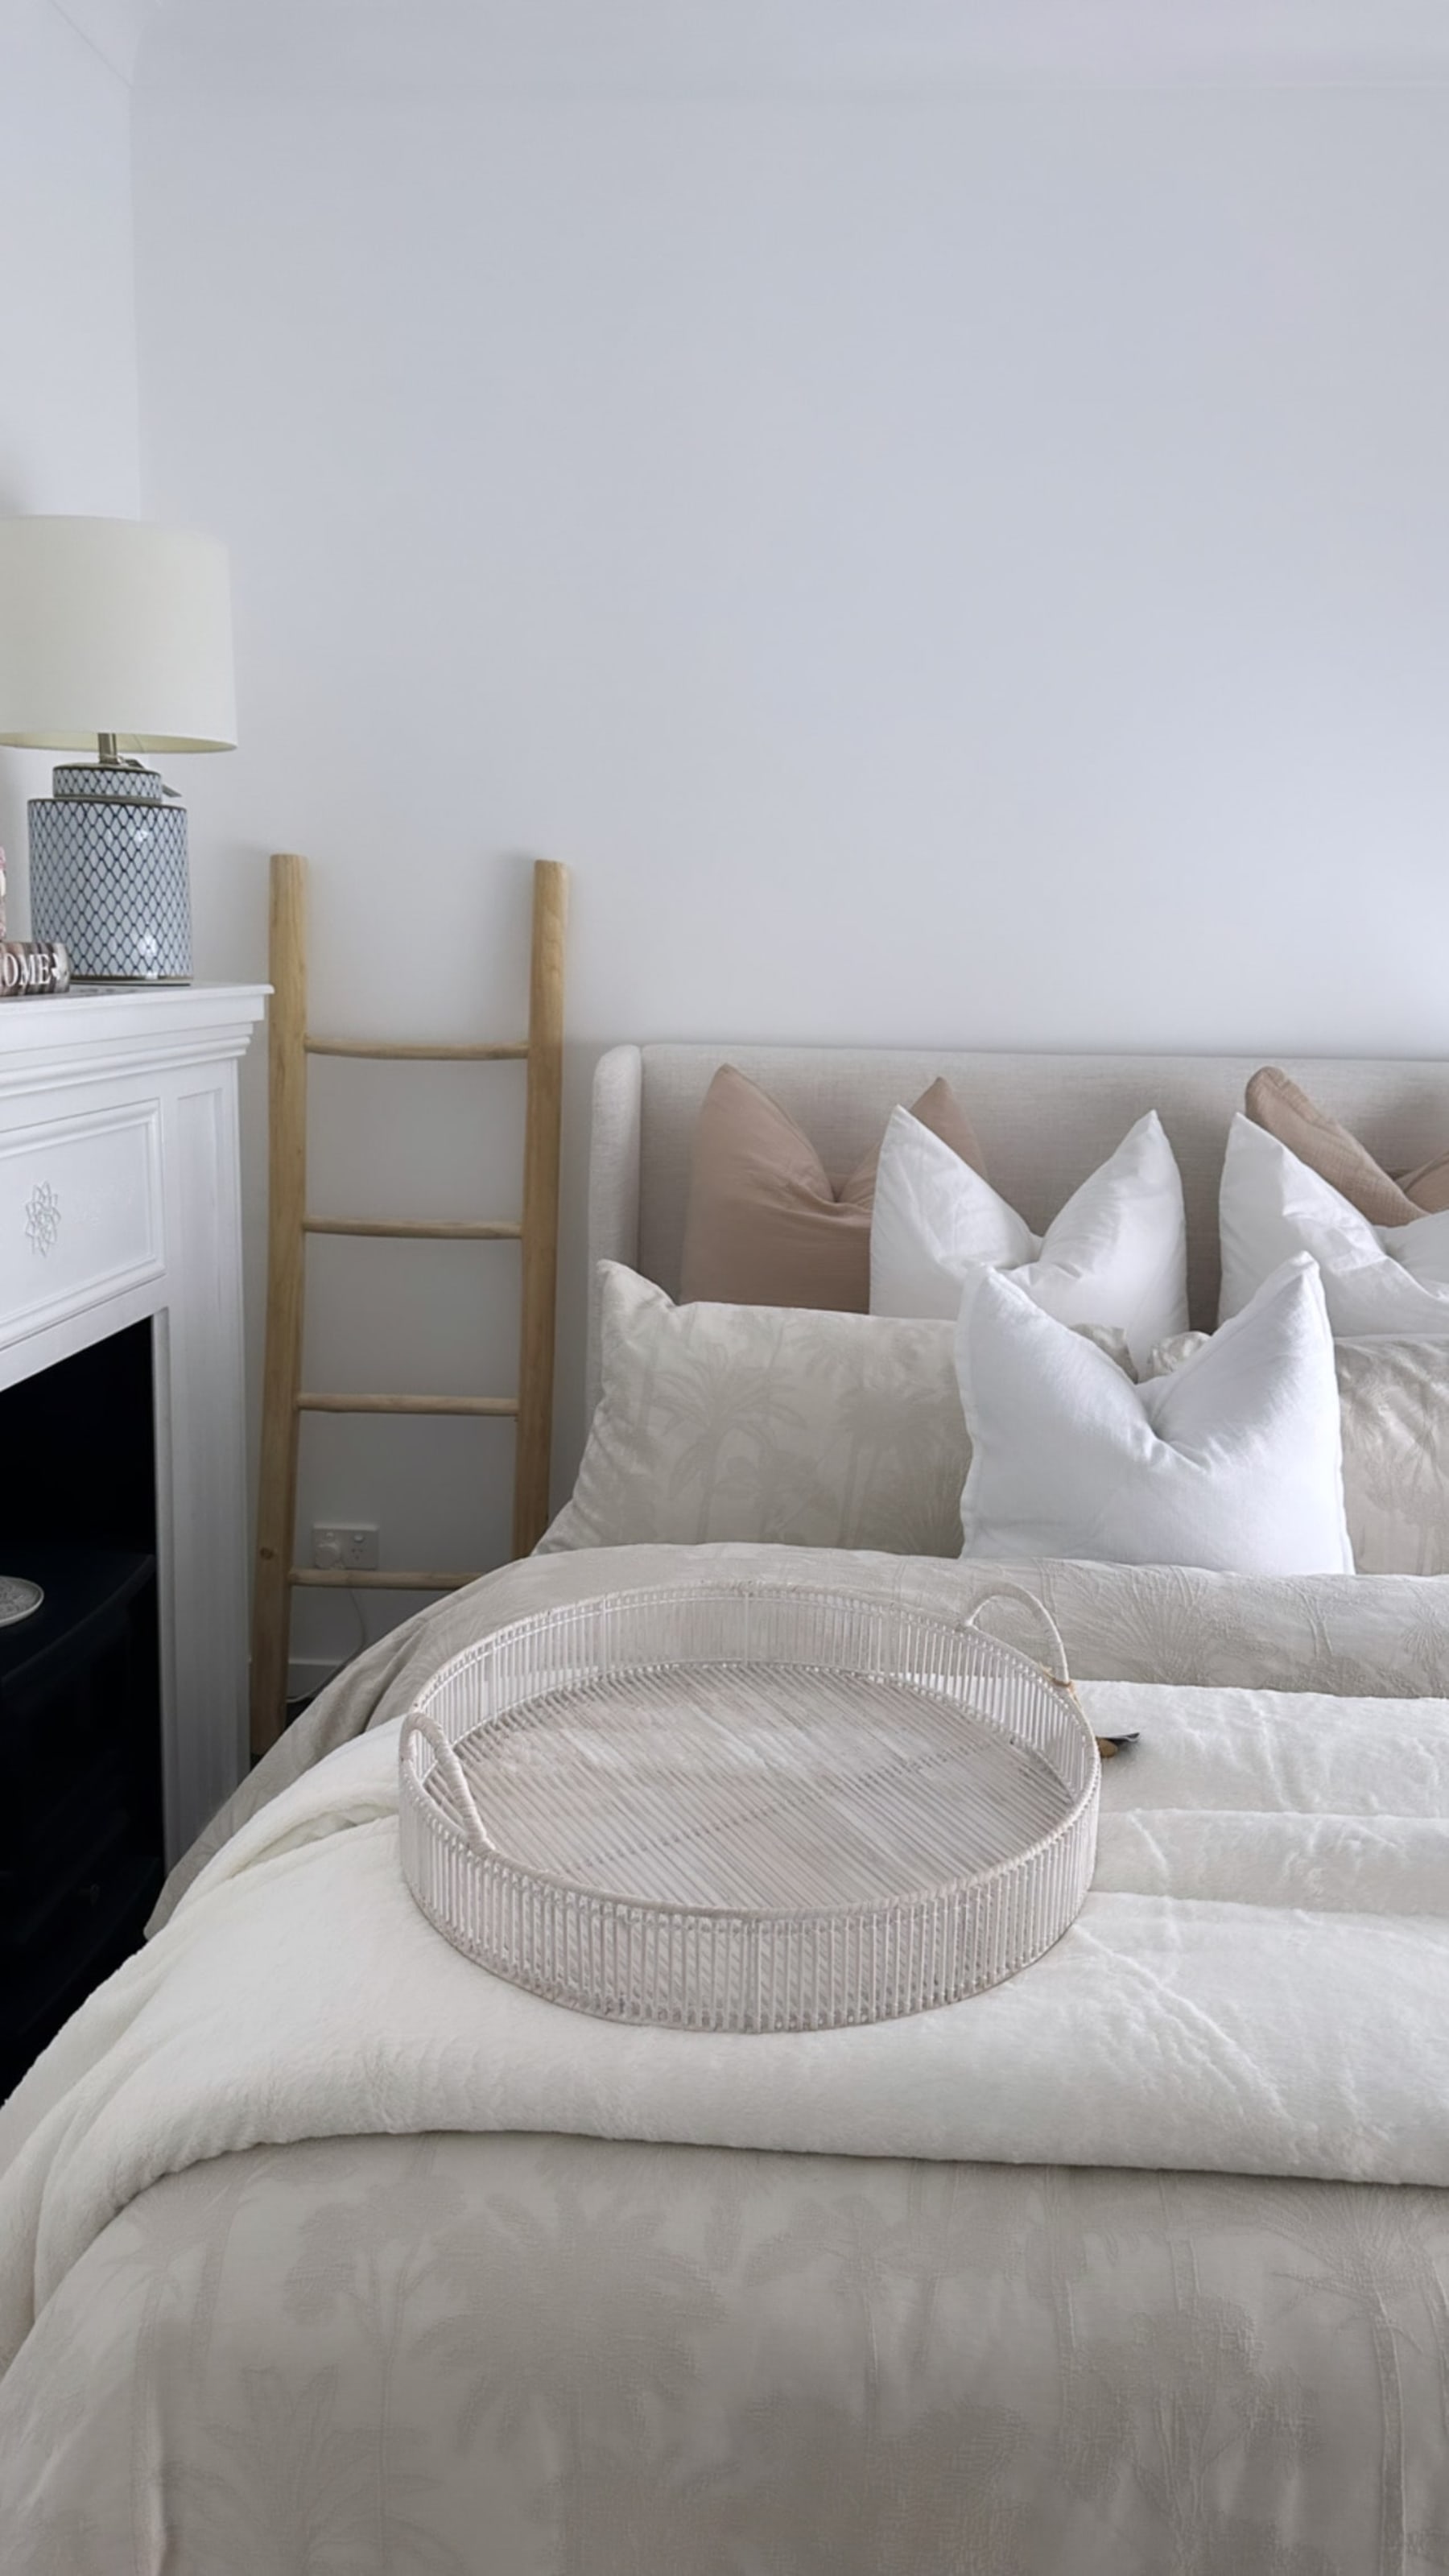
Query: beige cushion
pixel 1429 1186
pixel 770 1424
pixel 1395 1400
pixel 1278 1103
pixel 764 1226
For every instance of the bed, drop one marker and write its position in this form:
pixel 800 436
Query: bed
pixel 318 2250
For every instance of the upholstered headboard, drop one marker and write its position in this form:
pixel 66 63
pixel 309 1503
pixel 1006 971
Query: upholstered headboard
pixel 1044 1121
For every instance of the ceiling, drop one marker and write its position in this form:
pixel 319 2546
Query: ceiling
pixel 664 48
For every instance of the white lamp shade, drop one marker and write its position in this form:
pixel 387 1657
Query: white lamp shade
pixel 111 626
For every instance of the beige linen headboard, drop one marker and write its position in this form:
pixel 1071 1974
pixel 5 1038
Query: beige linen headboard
pixel 1044 1121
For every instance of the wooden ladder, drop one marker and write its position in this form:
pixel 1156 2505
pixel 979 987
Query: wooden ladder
pixel 283 1399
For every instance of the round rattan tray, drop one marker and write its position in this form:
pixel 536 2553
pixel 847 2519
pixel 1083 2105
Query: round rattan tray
pixel 748 1808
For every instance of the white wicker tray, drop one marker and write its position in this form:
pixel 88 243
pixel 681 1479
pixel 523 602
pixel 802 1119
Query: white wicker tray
pixel 747 1808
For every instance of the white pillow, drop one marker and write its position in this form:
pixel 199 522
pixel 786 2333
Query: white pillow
pixel 1234 1462
pixel 1116 1255
pixel 772 1423
pixel 1376 1278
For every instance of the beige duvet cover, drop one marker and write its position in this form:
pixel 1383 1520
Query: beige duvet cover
pixel 520 2353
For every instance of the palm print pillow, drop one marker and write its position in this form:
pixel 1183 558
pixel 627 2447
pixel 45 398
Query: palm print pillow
pixel 775 1424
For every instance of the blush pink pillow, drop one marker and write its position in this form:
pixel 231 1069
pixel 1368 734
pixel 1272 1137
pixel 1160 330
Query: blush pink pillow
pixel 764 1226
pixel 1275 1101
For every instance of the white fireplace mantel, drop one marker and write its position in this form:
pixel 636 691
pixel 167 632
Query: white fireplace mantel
pixel 119 1201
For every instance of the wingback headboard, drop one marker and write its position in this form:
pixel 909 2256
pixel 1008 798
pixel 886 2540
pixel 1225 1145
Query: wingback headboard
pixel 1044 1122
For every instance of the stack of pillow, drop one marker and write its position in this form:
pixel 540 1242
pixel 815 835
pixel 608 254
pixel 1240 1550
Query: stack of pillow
pixel 1033 1396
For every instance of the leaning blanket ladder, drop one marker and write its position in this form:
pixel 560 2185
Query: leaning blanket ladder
pixel 283 1399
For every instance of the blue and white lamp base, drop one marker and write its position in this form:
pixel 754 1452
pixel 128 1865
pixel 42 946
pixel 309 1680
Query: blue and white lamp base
pixel 108 875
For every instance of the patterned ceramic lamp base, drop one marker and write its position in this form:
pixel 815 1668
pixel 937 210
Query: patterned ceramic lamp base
pixel 108 876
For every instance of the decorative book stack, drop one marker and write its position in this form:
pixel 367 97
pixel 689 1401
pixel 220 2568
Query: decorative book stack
pixel 29 965
pixel 32 966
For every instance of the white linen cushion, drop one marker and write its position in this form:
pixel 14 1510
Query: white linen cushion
pixel 1233 1462
pixel 768 1423
pixel 1376 1278
pixel 1116 1255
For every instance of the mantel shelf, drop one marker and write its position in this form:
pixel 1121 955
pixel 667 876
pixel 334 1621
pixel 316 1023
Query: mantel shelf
pixel 96 1029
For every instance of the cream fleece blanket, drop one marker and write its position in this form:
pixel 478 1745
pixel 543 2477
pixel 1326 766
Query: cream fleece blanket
pixel 1259 1983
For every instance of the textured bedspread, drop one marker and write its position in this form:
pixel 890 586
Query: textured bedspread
pixel 517 2352
pixel 1383 1635
pixel 556 2357
pixel 1258 1982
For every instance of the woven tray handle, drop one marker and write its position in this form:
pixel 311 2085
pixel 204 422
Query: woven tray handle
pixel 1057 1670
pixel 417 1722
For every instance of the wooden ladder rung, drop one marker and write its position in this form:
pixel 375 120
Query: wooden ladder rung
pixel 443 1230
pixel 511 1051
pixel 332 1579
pixel 489 1404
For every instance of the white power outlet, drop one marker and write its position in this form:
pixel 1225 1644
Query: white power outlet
pixel 341 1547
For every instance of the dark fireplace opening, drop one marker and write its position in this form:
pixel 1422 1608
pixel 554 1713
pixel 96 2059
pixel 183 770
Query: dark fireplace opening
pixel 81 1837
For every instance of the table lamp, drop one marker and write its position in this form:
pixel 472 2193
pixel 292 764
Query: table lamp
pixel 115 638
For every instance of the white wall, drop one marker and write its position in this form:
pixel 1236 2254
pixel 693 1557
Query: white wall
pixel 68 408
pixel 971 570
